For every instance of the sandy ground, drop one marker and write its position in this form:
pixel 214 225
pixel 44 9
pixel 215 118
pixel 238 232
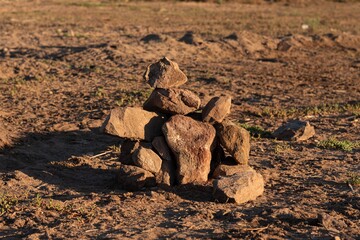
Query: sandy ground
pixel 65 64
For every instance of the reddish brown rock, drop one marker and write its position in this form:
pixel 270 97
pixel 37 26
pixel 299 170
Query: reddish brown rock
pixel 228 170
pixel 164 74
pixel 147 159
pixel 239 187
pixel 172 101
pixel 133 123
pixel 190 141
pixel 236 140
pixel 216 109
pixel 295 130
pixel 128 147
pixel 161 147
pixel 166 176
pixel 134 178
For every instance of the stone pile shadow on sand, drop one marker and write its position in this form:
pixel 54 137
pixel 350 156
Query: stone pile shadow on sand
pixel 64 160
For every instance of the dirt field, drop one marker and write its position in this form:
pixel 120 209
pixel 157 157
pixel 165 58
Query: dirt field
pixel 64 64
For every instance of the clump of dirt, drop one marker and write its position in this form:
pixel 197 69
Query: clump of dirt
pixel 5 138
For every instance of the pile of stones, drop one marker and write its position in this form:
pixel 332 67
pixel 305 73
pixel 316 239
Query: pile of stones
pixel 171 141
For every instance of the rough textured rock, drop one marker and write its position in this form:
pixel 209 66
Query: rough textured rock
pixel 236 140
pixel 173 101
pixel 239 187
pixel 4 136
pixel 164 74
pixel 216 109
pixel 134 178
pixel 147 159
pixel 190 141
pixel 133 123
pixel 166 175
pixel 128 147
pixel 294 130
pixel 161 147
pixel 228 170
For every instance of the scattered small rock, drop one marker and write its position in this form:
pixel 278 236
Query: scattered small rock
pixel 133 123
pixel 147 159
pixel 152 38
pixel 239 187
pixel 294 130
pixel 232 36
pixel 161 147
pixel 164 74
pixel 236 140
pixel 134 178
pixel 172 101
pixel 191 38
pixel 190 141
pixel 216 109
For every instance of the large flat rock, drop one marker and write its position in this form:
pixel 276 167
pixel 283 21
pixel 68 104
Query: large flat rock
pixel 133 123
pixel 240 187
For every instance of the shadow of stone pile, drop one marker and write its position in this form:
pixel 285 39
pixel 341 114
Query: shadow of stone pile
pixel 169 141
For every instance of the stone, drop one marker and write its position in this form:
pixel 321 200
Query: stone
pixel 161 147
pixel 239 187
pixel 236 140
pixel 216 109
pixel 228 170
pixel 167 174
pixel 164 74
pixel 172 101
pixel 133 123
pixel 147 159
pixel 133 178
pixel 128 147
pixel 190 141
pixel 152 38
pixel 294 130
pixel 191 38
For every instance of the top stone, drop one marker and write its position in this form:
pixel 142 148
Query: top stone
pixel 164 74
